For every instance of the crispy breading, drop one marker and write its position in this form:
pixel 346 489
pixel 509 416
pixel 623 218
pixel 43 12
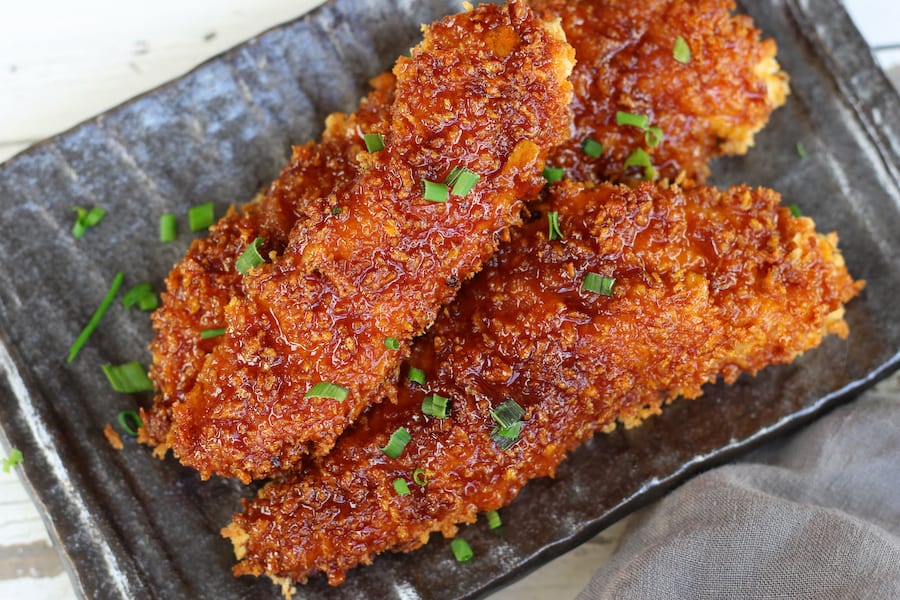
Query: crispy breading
pixel 707 284
pixel 486 90
pixel 205 280
pixel 710 106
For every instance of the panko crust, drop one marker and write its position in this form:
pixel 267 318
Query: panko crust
pixel 709 107
pixel 486 90
pixel 708 284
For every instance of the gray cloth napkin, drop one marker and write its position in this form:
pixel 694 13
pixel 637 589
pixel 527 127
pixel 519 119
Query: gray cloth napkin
pixel 813 515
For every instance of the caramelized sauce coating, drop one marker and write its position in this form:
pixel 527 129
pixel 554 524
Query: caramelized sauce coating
pixel 205 280
pixel 708 284
pixel 486 90
pixel 711 106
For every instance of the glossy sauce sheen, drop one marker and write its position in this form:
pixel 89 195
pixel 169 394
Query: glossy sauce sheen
pixel 709 107
pixel 708 284
pixel 486 90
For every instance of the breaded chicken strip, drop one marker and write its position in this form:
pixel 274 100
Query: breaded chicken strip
pixel 709 106
pixel 486 91
pixel 202 284
pixel 707 284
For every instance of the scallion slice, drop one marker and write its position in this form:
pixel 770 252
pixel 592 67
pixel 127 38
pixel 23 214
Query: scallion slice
pixel 435 192
pixel 801 150
pixel 401 487
pixel 399 440
pixel 436 405
pixel 200 217
pixel 326 389
pixel 82 338
pixel 462 180
pixel 681 51
pixel 653 136
pixel 633 120
pixel 416 375
pixel 554 174
pixel 508 413
pixel 142 295
pixel 553 220
pixel 592 147
pixel 795 210
pixel 506 437
pixel 598 284
pixel 461 550
pixel 420 477
pixel 493 519
pixel 374 142
pixel 128 378
pixel 251 257
pixel 335 211
pixel 168 228
pixel 212 333
pixel 640 158
pixel 86 219
pixel 15 457
pixel 391 343
pixel 130 421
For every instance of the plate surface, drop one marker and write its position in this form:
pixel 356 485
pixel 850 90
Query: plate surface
pixel 134 527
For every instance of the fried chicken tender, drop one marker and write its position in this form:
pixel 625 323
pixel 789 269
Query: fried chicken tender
pixel 486 90
pixel 710 106
pixel 202 284
pixel 707 284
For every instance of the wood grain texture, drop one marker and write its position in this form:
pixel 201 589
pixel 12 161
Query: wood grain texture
pixel 63 62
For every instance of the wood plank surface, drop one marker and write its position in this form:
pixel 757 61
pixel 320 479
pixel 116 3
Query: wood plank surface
pixel 62 62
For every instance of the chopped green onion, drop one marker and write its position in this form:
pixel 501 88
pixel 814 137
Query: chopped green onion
pixel 141 295
pixel 374 142
pixel 506 437
pixel 401 487
pixel 420 477
pixel 461 550
pixel 795 210
pixel 640 158
pixel 493 519
pixel 96 317
pixel 212 333
pixel 168 228
pixel 435 192
pixel 508 413
pixel 592 147
pixel 435 406
pixel 639 121
pixel 554 174
pixel 202 216
pixel 462 180
pixel 653 136
pixel 14 458
pixel 555 232
pixel 391 343
pixel 598 284
pixel 335 210
pixel 801 150
pixel 86 219
pixel 251 257
pixel 399 440
pixel 326 389
pixel 681 51
pixel 416 375
pixel 128 378
pixel 127 418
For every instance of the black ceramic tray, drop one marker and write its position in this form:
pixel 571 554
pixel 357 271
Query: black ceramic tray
pixel 131 526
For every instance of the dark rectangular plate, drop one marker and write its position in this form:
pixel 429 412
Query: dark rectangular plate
pixel 131 526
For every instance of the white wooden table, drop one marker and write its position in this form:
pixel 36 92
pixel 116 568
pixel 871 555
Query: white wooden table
pixel 62 62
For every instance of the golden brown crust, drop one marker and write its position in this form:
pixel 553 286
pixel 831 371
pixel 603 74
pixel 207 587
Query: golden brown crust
pixel 708 284
pixel 709 107
pixel 486 91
